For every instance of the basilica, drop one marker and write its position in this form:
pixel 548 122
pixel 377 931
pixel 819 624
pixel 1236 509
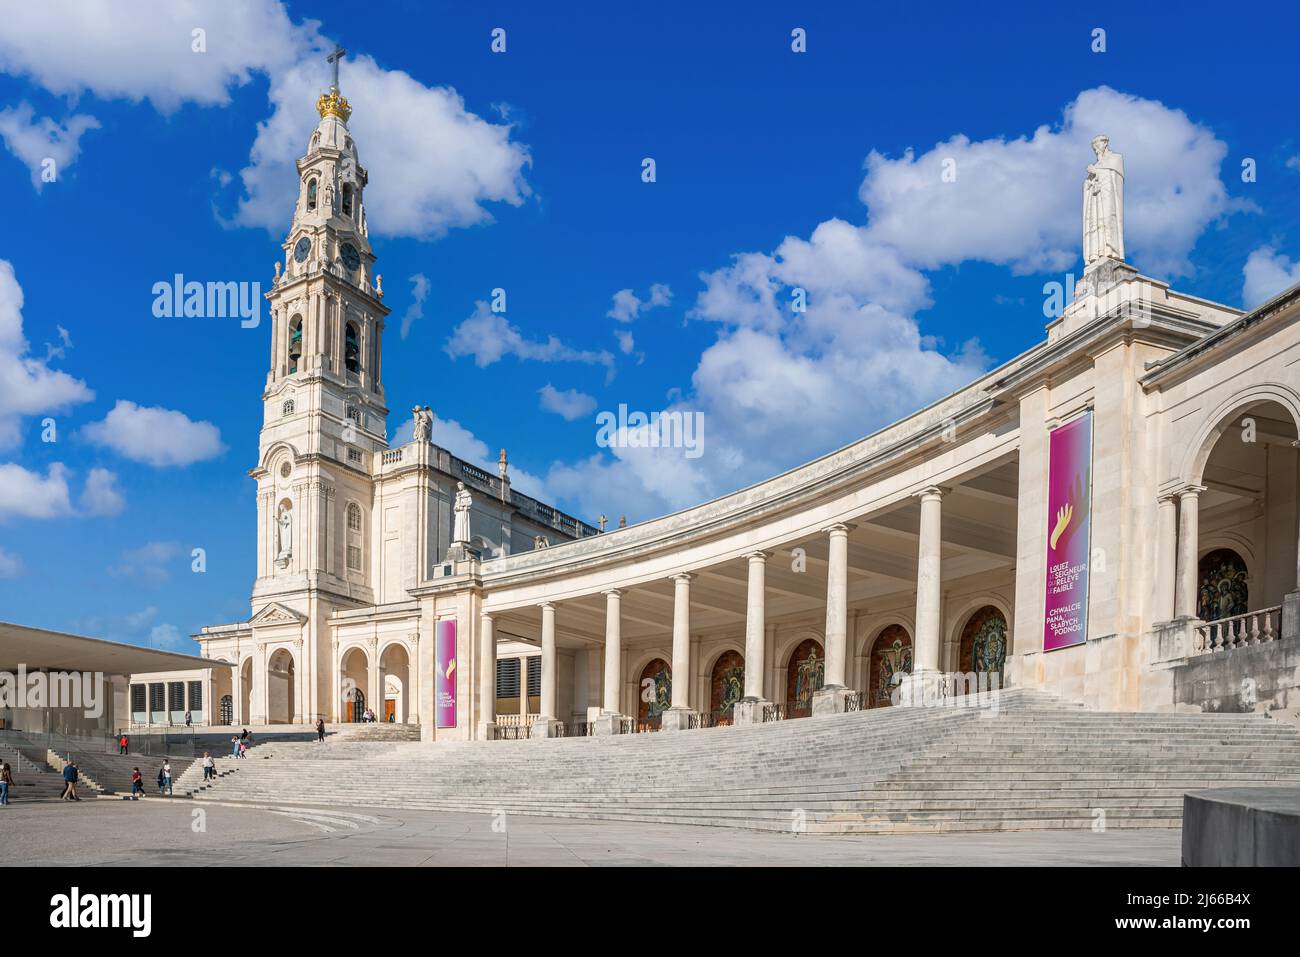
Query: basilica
pixel 1111 517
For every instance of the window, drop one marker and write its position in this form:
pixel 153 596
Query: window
pixel 157 698
pixel 354 517
pixel 287 408
pixel 196 696
pixel 352 348
pixel 137 698
pixel 534 676
pixel 354 455
pixel 354 557
pixel 295 343
pixel 311 195
pixel 508 678
pixel 347 199
pixel 176 695
pixel 354 414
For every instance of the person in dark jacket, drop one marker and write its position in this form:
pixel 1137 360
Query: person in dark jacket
pixel 69 783
pixel 6 781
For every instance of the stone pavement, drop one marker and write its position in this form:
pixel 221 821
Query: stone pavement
pixel 160 833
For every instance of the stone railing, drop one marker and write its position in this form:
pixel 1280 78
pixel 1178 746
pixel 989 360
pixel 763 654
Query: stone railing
pixel 392 456
pixel 1236 631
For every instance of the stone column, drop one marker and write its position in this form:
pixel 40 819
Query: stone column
pixel 1289 626
pixel 1189 509
pixel 523 687
pixel 1166 558
pixel 544 726
pixel 680 715
pixel 610 720
pixel 749 709
pixel 922 687
pixel 830 699
pixel 487 679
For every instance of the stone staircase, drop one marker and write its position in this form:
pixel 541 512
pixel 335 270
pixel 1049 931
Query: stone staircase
pixel 1032 762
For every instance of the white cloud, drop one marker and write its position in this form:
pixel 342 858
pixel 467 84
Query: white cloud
pixel 167 636
pixel 1017 202
pixel 37 141
pixel 488 338
pixel 1267 273
pixel 10 565
pixel 419 292
pixel 149 563
pixel 569 404
pixel 101 495
pixel 28 494
pixel 155 436
pixel 627 305
pixel 626 341
pixel 464 162
pixel 28 386
pixel 1293 162
pixel 104 49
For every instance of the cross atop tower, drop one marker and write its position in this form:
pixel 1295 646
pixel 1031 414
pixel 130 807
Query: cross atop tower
pixel 333 59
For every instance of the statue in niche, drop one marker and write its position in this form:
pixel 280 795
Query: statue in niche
pixel 464 502
pixel 284 534
pixel 1103 206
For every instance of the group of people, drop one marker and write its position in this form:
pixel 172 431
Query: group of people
pixel 164 780
pixel 240 743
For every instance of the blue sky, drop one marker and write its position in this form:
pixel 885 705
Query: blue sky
pixel 522 170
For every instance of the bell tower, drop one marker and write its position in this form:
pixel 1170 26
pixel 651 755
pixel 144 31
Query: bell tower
pixel 324 413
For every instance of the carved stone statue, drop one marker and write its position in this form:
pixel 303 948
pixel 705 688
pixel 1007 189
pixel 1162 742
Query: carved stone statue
pixel 277 273
pixel 460 531
pixel 284 534
pixel 423 423
pixel 379 285
pixel 1103 206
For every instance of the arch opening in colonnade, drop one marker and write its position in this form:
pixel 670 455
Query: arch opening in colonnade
pixel 726 686
pixel 654 693
pixel 280 687
pixel 982 649
pixel 805 674
pixel 395 678
pixel 354 679
pixel 890 657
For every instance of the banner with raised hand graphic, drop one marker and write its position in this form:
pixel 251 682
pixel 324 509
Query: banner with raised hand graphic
pixel 1069 533
pixel 445 673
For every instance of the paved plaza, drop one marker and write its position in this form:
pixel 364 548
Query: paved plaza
pixel 163 833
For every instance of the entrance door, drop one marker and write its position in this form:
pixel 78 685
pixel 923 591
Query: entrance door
pixel 349 718
pixel 390 709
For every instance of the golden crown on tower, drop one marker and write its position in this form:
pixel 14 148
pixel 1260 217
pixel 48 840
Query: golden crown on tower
pixel 334 103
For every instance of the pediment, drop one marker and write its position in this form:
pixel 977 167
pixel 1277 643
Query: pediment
pixel 275 613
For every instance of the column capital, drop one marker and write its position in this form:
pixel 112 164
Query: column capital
pixel 1190 491
pixel 612 593
pixel 931 492
pixel 546 604
pixel 682 578
pixel 758 556
pixel 843 527
pixel 485 616
pixel 1167 498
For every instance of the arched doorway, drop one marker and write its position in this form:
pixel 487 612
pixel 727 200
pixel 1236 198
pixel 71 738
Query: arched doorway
pixel 890 658
pixel 354 679
pixel 983 648
pixel 281 703
pixel 726 685
pixel 394 677
pixel 804 675
pixel 227 710
pixel 246 690
pixel 1248 481
pixel 223 677
pixel 654 693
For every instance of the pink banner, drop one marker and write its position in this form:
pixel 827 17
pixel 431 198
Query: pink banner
pixel 1069 533
pixel 444 687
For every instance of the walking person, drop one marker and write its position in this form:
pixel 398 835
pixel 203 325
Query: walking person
pixel 69 783
pixel 243 749
pixel 187 720
pixel 234 745
pixel 123 744
pixel 320 730
pixel 137 783
pixel 167 776
pixel 209 767
pixel 6 779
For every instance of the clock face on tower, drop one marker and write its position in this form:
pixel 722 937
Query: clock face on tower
pixel 351 258
pixel 302 250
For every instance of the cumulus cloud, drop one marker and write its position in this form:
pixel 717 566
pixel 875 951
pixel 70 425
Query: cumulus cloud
pixel 28 386
pixel 38 142
pixel 465 161
pixel 463 443
pixel 101 495
pixel 415 311
pixel 167 636
pixel 488 337
pixel 818 340
pixel 569 404
pixel 10 565
pixel 627 305
pixel 155 436
pixel 1017 202
pixel 1267 273
pixel 28 494
pixel 150 563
